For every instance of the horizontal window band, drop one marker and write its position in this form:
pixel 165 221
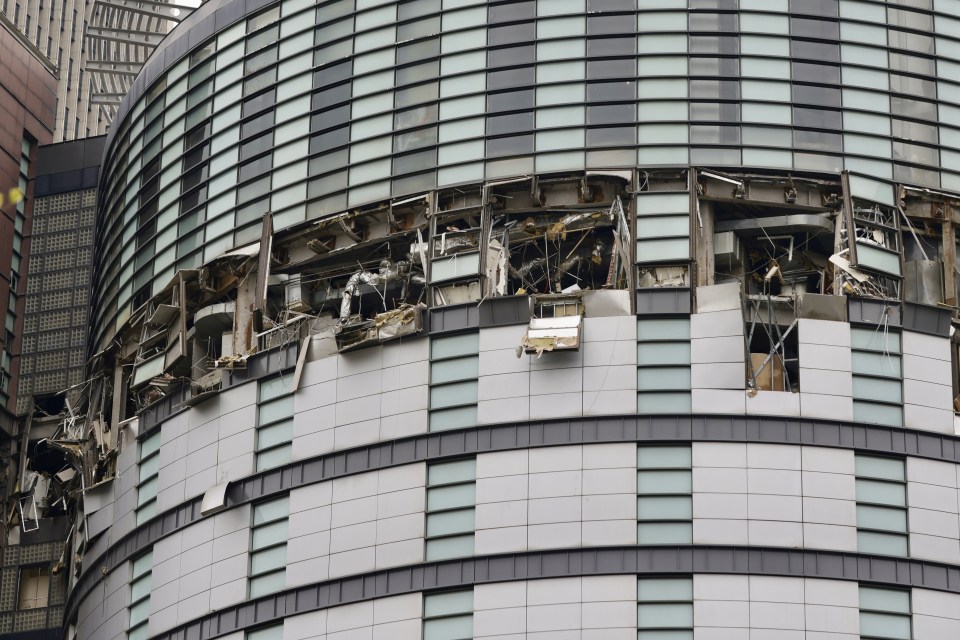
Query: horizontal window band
pixel 680 560
pixel 442 445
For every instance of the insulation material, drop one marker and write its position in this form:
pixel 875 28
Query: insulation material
pixel 768 372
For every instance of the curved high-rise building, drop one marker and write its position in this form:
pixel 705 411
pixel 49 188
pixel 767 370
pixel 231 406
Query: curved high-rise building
pixel 588 319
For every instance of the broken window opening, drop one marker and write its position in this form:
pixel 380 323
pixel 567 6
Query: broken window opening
pixel 775 236
pixel 556 323
pixel 456 254
pixel 531 236
pixel 34 590
pixel 361 279
pixel 772 341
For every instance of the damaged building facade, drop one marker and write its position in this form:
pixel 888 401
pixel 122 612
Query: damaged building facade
pixel 568 318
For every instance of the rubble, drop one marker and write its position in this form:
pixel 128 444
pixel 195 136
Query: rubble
pixel 778 247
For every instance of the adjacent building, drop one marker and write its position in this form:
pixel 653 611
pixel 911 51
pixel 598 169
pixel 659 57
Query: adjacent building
pixel 30 608
pixel 449 319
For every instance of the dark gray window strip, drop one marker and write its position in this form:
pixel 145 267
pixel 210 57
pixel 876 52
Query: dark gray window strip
pixel 467 572
pixel 434 446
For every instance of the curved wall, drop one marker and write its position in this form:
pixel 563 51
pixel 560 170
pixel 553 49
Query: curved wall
pixel 352 503
pixel 772 484
pixel 307 110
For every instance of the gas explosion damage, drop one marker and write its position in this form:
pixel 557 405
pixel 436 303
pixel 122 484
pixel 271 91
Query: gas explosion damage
pixel 778 247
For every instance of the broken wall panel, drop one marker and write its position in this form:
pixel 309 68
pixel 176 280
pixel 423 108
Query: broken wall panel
pixel 777 266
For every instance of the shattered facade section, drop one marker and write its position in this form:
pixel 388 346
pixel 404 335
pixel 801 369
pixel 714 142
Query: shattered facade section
pixel 736 282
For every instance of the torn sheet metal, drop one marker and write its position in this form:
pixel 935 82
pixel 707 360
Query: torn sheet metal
pixel 404 321
pixel 553 334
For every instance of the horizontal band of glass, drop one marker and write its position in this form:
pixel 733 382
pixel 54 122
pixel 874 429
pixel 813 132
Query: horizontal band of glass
pixel 658 202
pixel 664 508
pixel 664 402
pixel 875 191
pixel 275 434
pixel 451 522
pixel 452 547
pixel 451 497
pixel 147 511
pixel 885 544
pixel 664 457
pixel 452 472
pixel 452 628
pixel 663 226
pixel 664 533
pixel 140 632
pixel 147 491
pixel 879 389
pixel 880 468
pixel 454 394
pixel 142 565
pixel 275 387
pixel 889 600
pixel 150 445
pixel 654 353
pixel 270 534
pixel 883 493
pixel 669 482
pixel 463 368
pixel 875 340
pixel 270 633
pixel 268 560
pixel 664 615
pixel 456 418
pixel 149 467
pixel 265 512
pixel 275 410
pixel 447 604
pixel 663 329
pixel 874 413
pixel 663 378
pixel 882 518
pixel 885 625
pixel 139 612
pixel 665 634
pixel 452 346
pixel 663 249
pixel 267 583
pixel 664 589
pixel 273 458
pixel 140 588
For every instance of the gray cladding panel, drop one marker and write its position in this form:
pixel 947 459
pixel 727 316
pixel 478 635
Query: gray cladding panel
pixel 434 446
pixel 571 562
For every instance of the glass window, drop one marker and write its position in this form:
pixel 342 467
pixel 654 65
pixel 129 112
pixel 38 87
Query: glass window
pixel 268 546
pixel 885 613
pixel 450 523
pixel 448 615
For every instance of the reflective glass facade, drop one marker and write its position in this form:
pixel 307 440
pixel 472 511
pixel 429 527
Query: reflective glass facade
pixel 307 110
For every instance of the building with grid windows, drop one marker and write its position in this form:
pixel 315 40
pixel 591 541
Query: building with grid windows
pixel 453 319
